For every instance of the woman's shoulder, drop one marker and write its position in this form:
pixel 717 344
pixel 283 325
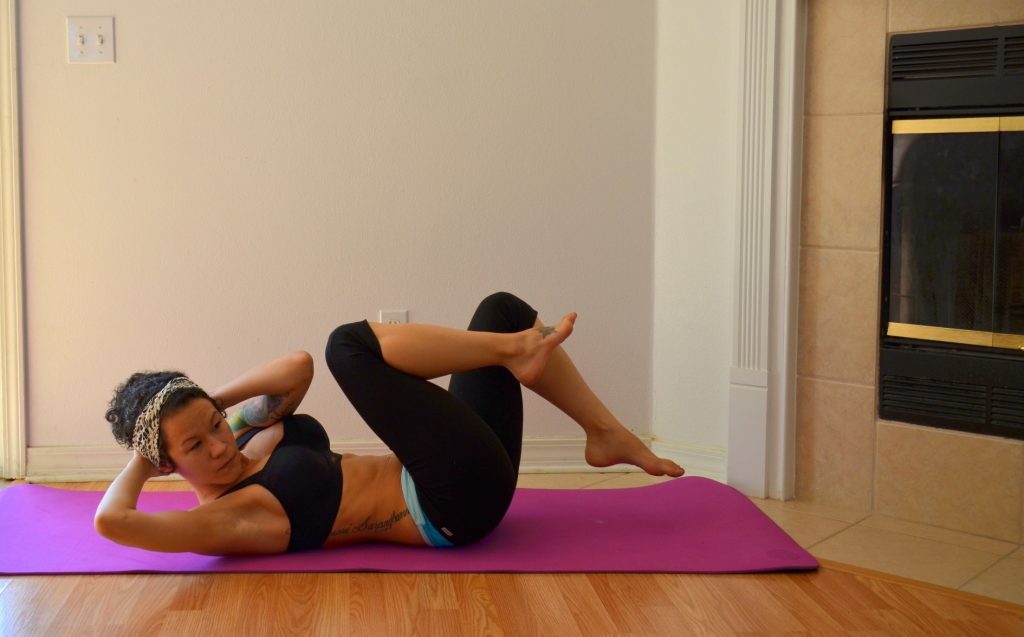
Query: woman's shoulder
pixel 260 443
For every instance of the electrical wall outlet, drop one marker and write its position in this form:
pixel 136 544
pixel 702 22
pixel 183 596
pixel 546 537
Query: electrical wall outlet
pixel 91 40
pixel 394 316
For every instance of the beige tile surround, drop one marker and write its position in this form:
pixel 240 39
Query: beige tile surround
pixel 838 315
pixel 951 479
pixel 843 192
pixel 902 474
pixel 837 422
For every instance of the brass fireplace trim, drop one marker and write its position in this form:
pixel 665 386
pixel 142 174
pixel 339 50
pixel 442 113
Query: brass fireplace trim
pixel 958 125
pixel 951 335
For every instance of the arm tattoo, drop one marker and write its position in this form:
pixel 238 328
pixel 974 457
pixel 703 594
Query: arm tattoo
pixel 259 412
pixel 370 526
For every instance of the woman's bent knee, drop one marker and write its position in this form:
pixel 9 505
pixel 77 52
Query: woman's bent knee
pixel 501 300
pixel 504 310
pixel 347 342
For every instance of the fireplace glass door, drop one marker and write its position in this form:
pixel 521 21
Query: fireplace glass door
pixel 957 231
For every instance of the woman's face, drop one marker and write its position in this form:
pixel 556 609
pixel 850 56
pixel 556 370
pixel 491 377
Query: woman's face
pixel 200 443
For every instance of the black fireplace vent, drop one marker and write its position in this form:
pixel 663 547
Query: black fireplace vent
pixel 1013 54
pixel 939 400
pixel 1008 407
pixel 962 58
pixel 943 389
pixel 967 68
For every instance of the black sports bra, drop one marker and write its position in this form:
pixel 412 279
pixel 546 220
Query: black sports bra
pixel 305 477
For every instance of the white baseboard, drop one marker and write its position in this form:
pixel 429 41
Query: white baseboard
pixel 540 455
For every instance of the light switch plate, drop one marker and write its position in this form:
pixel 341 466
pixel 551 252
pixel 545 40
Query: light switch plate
pixel 91 40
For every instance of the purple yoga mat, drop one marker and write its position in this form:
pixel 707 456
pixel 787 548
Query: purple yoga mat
pixel 688 525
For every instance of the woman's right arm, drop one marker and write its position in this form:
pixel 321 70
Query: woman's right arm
pixel 211 529
pixel 122 495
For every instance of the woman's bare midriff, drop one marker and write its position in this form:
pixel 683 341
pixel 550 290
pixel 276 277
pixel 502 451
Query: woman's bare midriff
pixel 372 507
pixel 372 504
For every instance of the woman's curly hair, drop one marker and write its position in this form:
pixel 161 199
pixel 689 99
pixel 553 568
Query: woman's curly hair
pixel 130 399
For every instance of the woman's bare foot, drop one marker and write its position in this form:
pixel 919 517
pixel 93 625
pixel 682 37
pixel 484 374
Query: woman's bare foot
pixel 619 445
pixel 537 345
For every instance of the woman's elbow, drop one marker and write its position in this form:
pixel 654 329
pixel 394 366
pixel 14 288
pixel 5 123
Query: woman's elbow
pixel 303 362
pixel 110 526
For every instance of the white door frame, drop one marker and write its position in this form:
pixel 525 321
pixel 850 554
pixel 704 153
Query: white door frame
pixel 762 385
pixel 13 438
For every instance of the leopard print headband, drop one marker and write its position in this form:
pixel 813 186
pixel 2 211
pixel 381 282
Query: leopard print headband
pixel 146 435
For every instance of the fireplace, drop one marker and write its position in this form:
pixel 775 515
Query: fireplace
pixel 952 319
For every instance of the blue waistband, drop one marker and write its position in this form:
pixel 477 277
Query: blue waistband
pixel 428 532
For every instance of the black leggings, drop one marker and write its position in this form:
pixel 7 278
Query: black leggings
pixel 461 446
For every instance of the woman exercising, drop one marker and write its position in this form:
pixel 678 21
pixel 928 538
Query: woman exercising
pixel 267 481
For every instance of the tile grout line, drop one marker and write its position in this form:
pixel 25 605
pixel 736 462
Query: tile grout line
pixel 861 523
pixel 859 114
pixel 837 381
pixel 943 542
pixel 982 572
pixel 818 515
pixel 829 537
pixel 834 519
pixel 841 248
pixel 947 543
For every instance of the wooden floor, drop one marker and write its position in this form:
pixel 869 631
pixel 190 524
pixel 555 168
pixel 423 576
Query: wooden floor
pixel 836 600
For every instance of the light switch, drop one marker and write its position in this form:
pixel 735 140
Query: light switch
pixel 91 40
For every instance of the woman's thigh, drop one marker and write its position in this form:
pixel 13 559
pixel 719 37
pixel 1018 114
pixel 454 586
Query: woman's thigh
pixel 463 475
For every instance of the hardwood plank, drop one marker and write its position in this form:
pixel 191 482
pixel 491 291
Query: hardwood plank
pixel 830 603
pixel 590 614
pixel 192 593
pixel 434 621
pixel 373 613
pixel 28 605
pixel 756 604
pixel 182 622
pixel 697 604
pixel 437 591
pixel 530 604
pixel 481 616
pixel 801 600
pixel 624 597
pixel 721 604
pixel 400 592
pixel 121 601
pixel 266 599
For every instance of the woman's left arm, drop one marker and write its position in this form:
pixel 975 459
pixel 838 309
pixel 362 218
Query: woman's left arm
pixel 275 388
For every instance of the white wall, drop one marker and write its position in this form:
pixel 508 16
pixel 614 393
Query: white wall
pixel 249 174
pixel 695 175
